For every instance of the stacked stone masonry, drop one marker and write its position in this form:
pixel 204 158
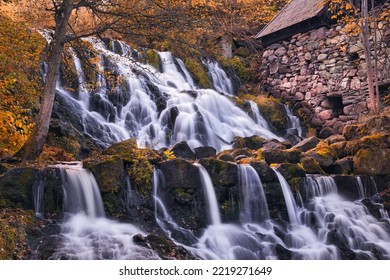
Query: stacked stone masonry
pixel 322 73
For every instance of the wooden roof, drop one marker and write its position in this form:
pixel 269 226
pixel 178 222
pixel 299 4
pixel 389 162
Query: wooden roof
pixel 294 12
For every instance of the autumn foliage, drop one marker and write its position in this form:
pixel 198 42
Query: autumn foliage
pixel 20 83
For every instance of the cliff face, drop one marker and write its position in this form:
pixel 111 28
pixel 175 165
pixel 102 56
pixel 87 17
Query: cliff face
pixel 323 73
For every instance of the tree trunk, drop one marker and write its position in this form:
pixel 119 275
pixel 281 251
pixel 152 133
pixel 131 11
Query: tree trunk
pixel 367 53
pixel 34 144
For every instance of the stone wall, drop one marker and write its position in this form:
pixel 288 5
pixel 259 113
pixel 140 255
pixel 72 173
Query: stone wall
pixel 322 73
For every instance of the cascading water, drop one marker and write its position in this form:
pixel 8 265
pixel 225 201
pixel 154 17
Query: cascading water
pixel 86 233
pixel 350 223
pixel 211 199
pixel 257 116
pixel 159 109
pixel 253 207
pixel 292 208
pixel 294 124
pixel 221 82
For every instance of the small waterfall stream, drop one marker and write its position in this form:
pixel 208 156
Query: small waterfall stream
pixel 86 233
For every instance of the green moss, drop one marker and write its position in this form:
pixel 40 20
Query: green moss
pixel 153 58
pixel 141 173
pixel 198 71
pixel 239 67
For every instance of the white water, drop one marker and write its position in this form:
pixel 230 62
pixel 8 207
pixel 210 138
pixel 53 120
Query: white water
pixel 221 82
pixel 253 203
pixel 257 116
pixel 294 124
pixel 86 233
pixel 159 109
pixel 358 229
pixel 211 198
pixel 289 199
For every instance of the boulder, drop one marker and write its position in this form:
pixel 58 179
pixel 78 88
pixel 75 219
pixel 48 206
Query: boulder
pixel 307 144
pixel 179 173
pixel 182 150
pixel 205 152
pixel 282 156
pixel 222 173
pixel 253 142
pixel 291 171
pixel 264 170
pixel 342 166
pixel 225 156
pixel 323 154
pixel 311 166
pixel 372 161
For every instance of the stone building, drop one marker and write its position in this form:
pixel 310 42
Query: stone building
pixel 318 67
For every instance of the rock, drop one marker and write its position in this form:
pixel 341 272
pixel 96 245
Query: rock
pixel 342 166
pixel 272 144
pixel 335 139
pixel 290 170
pixel 223 174
pixel 205 152
pixel 182 150
pixel 225 156
pixel 322 57
pixel 354 131
pixel 265 172
pixel 179 173
pixel 354 49
pixel 307 144
pixel 253 142
pixel 274 67
pixel 372 161
pixel 325 132
pixel 109 173
pixel 323 154
pixel 241 152
pixel 373 208
pixel 311 166
pixel 282 156
pixel 340 241
pixel 308 56
pixel 340 148
pixel 281 51
pixel 326 114
pixel 128 151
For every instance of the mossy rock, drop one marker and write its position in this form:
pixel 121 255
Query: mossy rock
pixel 340 148
pixel 282 156
pixel 372 161
pixel 153 58
pixel 291 171
pixel 273 111
pixel 264 171
pixel 311 166
pixel 342 166
pixel 355 131
pixel 16 187
pixel 109 173
pixel 198 71
pixel 323 154
pixel 240 67
pixel 252 142
pixel 222 173
pixel 180 174
pixel 129 152
pixel 307 144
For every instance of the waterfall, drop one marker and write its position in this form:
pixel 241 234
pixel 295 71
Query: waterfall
pixel 164 219
pixel 350 222
pixel 38 196
pixel 291 204
pixel 293 122
pixel 157 108
pixel 221 82
pixel 86 233
pixel 257 117
pixel 211 198
pixel 253 206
